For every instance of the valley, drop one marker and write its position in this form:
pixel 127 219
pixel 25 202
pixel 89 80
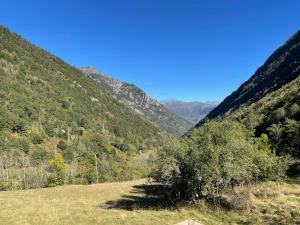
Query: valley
pixel 78 146
pixel 191 111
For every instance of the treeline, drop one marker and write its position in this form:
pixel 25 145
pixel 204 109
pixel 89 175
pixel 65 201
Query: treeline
pixel 48 169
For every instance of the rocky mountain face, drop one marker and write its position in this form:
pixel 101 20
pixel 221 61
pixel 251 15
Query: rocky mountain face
pixel 191 111
pixel 138 101
pixel 281 67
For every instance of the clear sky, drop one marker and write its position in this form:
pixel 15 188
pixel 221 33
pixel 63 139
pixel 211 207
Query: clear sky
pixel 182 49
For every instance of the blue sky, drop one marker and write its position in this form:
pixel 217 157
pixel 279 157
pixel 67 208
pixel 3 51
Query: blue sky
pixel 182 49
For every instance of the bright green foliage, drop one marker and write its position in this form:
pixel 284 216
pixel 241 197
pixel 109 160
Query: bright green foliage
pixel 58 169
pixel 215 156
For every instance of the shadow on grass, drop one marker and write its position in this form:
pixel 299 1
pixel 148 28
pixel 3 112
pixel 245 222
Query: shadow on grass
pixel 294 180
pixel 152 196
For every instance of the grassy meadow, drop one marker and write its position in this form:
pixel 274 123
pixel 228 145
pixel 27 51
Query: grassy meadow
pixel 127 203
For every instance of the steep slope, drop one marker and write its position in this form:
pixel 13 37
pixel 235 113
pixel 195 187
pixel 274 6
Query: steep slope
pixel 48 106
pixel 269 102
pixel 280 68
pixel 278 115
pixel 137 100
pixel 191 111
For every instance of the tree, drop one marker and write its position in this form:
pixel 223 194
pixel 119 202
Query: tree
pixel 216 156
pixel 36 139
pixel 278 114
pixel 58 169
pixel 62 145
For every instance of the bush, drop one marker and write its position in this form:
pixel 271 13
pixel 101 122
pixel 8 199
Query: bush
pixel 19 127
pixel 36 139
pixel 40 156
pixel 278 114
pixel 216 156
pixel 3 185
pixel 50 130
pixel 54 180
pixel 57 168
pixel 62 145
pixel 66 104
pixel 293 109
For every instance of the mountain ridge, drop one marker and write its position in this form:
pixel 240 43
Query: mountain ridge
pixel 136 99
pixel 192 111
pixel 268 103
pixel 280 68
pixel 51 108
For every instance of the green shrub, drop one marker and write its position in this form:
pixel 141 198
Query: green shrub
pixel 215 157
pixel 293 109
pixel 57 168
pixel 278 115
pixel 40 156
pixel 36 139
pixel 3 185
pixel 62 145
pixel 66 104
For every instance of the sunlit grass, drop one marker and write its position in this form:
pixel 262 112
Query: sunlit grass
pixel 79 204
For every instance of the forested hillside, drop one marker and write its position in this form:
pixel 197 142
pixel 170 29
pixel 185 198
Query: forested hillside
pixel 269 102
pixel 278 115
pixel 280 68
pixel 137 100
pixel 51 113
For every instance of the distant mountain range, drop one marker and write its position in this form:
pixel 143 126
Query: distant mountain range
pixel 136 99
pixel 191 111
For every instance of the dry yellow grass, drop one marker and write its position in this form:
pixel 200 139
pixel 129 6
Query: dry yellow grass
pixel 89 205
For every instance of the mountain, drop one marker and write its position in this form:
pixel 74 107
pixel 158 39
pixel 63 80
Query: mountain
pixel 278 115
pixel 191 111
pixel 137 100
pixel 280 68
pixel 269 102
pixel 49 107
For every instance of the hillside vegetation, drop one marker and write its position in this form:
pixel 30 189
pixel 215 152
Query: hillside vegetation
pixel 280 68
pixel 137 100
pixel 58 126
pixel 269 102
pixel 253 141
pixel 50 111
pixel 278 115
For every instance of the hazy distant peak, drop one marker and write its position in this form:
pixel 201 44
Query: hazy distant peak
pixel 192 111
pixel 171 100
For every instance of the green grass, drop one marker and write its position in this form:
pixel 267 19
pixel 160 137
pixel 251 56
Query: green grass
pixel 126 203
